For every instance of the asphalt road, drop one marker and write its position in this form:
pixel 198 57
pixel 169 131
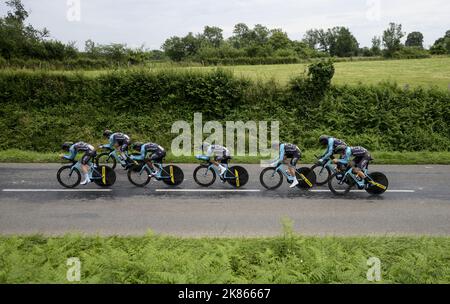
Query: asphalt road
pixel 32 201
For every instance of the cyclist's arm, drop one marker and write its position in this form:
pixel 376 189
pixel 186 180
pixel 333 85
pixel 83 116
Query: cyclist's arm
pixel 280 155
pixel 141 156
pixel 210 151
pixel 329 151
pixel 71 155
pixel 346 158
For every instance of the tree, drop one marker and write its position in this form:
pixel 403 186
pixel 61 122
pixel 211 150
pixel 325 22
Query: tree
pixel 442 45
pixel 174 48
pixel 213 35
pixel 414 39
pixel 241 35
pixel 279 39
pixel 376 46
pixel 344 44
pixel 392 38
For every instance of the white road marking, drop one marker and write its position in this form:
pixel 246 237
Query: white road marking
pixel 56 190
pixel 392 191
pixel 207 190
pixel 180 190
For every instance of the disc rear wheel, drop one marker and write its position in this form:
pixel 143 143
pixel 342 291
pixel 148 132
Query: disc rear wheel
pixel 378 185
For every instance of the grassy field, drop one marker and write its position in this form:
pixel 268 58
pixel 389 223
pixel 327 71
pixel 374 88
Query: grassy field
pixel 285 259
pixel 400 158
pixel 414 72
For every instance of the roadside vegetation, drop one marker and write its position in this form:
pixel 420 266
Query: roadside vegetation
pixel 41 110
pixel 288 258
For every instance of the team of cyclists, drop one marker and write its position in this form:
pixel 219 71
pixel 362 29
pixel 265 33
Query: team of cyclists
pixel 355 156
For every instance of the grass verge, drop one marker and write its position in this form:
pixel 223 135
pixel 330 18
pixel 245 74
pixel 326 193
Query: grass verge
pixel 284 259
pixel 401 158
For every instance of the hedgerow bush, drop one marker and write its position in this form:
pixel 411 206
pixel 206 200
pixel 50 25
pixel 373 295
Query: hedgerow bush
pixel 40 110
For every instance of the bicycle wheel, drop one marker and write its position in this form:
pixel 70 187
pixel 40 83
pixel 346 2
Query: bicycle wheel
pixel 306 178
pixel 175 175
pixel 204 177
pixel 138 176
pixel 237 176
pixel 104 176
pixel 339 186
pixel 322 174
pixel 104 159
pixel 270 178
pixel 67 177
pixel 380 184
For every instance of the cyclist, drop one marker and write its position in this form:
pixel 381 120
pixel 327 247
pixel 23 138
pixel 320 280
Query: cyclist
pixel 292 152
pixel 118 140
pixel 89 153
pixel 157 155
pixel 360 162
pixel 221 154
pixel 331 143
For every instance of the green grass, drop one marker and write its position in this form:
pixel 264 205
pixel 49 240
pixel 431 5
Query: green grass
pixel 401 158
pixel 285 259
pixel 414 72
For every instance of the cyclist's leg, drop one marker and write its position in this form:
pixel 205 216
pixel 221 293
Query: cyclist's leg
pixel 358 165
pixel 156 158
pixel 218 163
pixel 123 149
pixel 85 167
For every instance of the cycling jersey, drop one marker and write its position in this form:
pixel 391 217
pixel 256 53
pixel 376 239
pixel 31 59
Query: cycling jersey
pixel 361 157
pixel 120 139
pixel 89 152
pixel 332 144
pixel 220 153
pixel 290 151
pixel 156 150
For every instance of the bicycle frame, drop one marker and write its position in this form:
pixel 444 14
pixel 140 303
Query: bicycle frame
pixel 280 168
pixel 361 183
pixel 161 169
pixel 216 170
pixel 224 176
pixel 328 164
pixel 77 165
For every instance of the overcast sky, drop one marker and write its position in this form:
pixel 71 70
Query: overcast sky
pixel 150 22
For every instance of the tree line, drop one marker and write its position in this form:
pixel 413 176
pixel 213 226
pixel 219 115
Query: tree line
pixel 257 44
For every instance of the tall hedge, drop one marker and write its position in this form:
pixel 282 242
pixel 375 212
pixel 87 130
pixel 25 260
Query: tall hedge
pixel 39 110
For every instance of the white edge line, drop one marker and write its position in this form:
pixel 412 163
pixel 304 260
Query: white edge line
pixel 178 190
pixel 207 190
pixel 56 190
pixel 392 191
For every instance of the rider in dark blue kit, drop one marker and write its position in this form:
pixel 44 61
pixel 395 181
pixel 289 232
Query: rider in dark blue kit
pixel 157 154
pixel 89 153
pixel 118 140
pixel 360 161
pixel 331 143
pixel 289 151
